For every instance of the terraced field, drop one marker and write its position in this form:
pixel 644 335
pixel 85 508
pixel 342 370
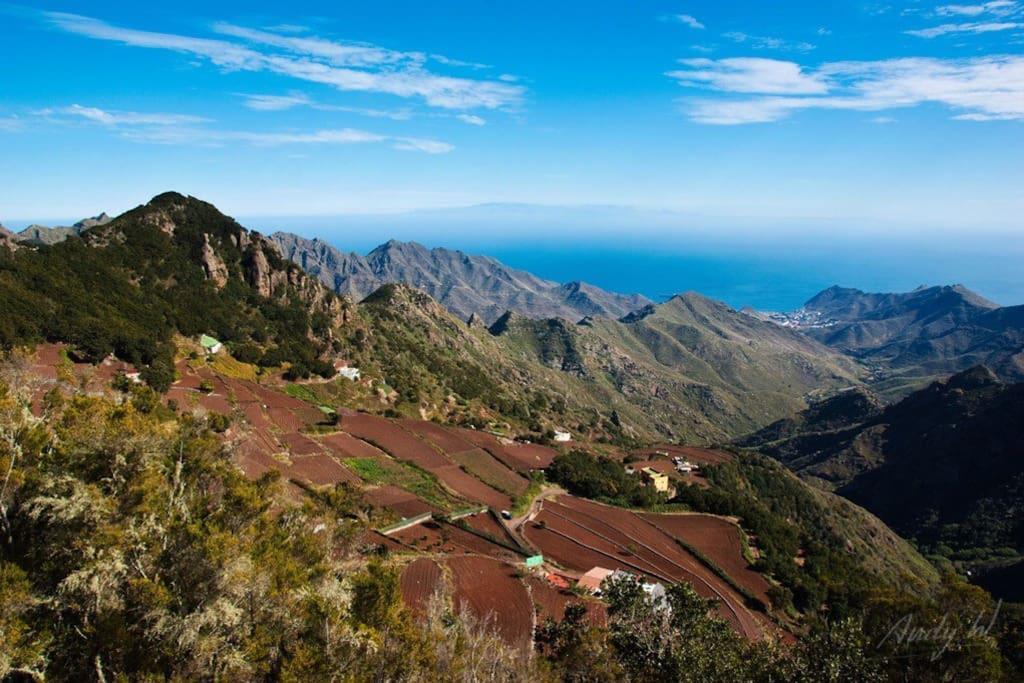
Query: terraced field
pixel 409 467
pixel 492 592
pixel 581 534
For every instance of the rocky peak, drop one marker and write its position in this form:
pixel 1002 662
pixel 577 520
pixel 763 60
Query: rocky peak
pixel 973 378
pixel 638 315
pixel 507 321
pixel 213 265
pixel 475 322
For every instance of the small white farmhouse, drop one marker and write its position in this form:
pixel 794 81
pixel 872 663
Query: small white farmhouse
pixel 349 373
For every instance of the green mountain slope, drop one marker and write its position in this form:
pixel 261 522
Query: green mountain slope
pixel 944 466
pixel 916 337
pixel 692 367
pixel 173 266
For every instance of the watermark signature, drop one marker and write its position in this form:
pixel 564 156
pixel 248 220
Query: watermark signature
pixel 941 636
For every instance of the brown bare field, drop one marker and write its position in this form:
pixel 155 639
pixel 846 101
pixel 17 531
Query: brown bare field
pixel 488 469
pixel 320 470
pixel 470 487
pixel 217 403
pixel 445 439
pixel 284 419
pixel 719 540
pixel 700 456
pixel 448 539
pixel 551 602
pixel 421 578
pixel 393 439
pixel 491 591
pixel 348 446
pixel 371 537
pixel 520 457
pixel 298 444
pixel 581 532
pixel 399 501
pixel 486 523
pixel 254 459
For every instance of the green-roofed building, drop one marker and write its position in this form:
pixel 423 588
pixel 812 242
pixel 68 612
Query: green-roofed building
pixel 210 345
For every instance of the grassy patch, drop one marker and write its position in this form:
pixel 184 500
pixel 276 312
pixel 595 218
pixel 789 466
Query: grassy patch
pixel 382 472
pixel 522 503
pixel 301 392
pixel 224 364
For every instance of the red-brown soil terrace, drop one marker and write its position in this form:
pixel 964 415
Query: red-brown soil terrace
pixel 580 535
pixel 491 591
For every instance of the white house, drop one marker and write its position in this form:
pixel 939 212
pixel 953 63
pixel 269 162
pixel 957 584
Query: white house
pixel 349 373
pixel 562 436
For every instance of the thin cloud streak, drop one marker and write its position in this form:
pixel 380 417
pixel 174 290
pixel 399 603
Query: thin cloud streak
pixel 979 89
pixel 346 67
pixel 947 29
pixel 182 129
pixel 688 20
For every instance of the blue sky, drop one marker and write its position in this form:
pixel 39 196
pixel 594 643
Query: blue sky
pixel 886 116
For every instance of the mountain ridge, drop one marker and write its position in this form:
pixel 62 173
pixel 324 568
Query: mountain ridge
pixel 41 234
pixel 913 338
pixel 463 283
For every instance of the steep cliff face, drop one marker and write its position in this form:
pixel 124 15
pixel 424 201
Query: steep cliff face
pixel 213 264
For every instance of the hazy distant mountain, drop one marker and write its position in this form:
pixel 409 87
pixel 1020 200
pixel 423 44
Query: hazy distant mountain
pixel 462 283
pixel 917 336
pixel 40 234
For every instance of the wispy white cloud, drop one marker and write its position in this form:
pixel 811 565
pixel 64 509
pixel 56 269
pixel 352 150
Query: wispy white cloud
pixel 276 102
pixel 750 75
pixel 687 20
pixel 990 17
pixel 345 66
pixel 336 53
pixel 969 27
pixel 448 61
pixel 123 118
pixel 11 124
pixel 183 129
pixel 422 145
pixel 996 7
pixel 471 119
pixel 978 89
pixel 342 136
pixel 768 42
pixel 261 102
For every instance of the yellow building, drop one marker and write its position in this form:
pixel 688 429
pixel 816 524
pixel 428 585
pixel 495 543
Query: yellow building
pixel 656 479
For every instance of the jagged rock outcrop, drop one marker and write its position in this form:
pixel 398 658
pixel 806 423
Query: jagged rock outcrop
pixel 213 264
